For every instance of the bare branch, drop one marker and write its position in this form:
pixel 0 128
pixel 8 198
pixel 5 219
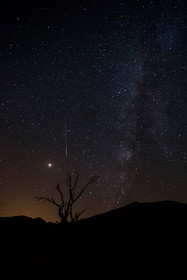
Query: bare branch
pixel 77 215
pixel 65 208
pixel 86 186
pixel 70 202
pixel 76 181
pixel 44 199
pixel 61 194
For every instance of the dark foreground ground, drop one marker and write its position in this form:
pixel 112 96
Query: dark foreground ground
pixel 140 238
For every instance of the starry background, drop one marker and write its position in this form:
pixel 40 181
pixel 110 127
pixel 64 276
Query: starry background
pixel 114 73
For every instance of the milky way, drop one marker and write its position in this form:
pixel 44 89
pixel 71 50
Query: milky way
pixel 103 81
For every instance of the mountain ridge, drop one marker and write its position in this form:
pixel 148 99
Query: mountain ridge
pixel 137 232
pixel 112 215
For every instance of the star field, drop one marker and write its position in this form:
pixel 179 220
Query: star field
pixel 114 73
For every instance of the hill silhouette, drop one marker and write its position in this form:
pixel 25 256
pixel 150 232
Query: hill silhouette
pixel 139 234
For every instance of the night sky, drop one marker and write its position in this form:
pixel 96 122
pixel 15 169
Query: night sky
pixel 110 75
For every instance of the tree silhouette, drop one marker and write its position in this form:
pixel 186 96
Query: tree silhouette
pixel 65 207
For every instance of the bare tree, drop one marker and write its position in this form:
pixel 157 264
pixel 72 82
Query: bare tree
pixel 65 207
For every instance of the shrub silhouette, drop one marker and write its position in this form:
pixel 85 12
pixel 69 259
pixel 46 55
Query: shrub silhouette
pixel 65 208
